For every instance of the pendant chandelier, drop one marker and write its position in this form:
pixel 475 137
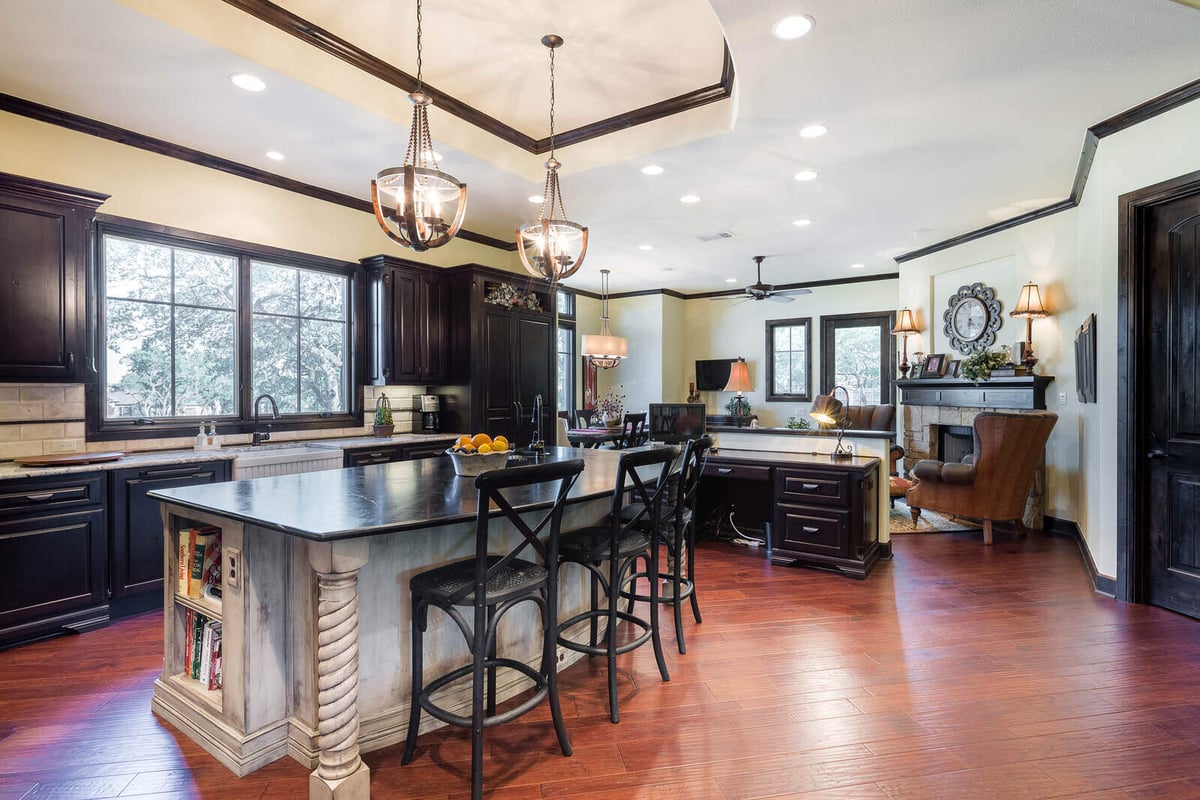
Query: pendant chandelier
pixel 604 350
pixel 552 247
pixel 413 202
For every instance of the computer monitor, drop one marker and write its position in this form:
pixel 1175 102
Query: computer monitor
pixel 676 422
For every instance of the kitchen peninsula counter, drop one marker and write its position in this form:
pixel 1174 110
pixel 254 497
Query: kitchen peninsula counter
pixel 315 612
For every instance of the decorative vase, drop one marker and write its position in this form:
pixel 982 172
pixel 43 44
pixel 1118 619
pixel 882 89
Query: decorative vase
pixel 383 431
pixel 611 419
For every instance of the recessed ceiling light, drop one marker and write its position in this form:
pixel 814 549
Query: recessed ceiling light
pixel 806 175
pixel 645 247
pixel 731 280
pixel 251 83
pixel 535 198
pixel 793 27
pixel 690 198
pixel 802 223
pixel 857 266
pixel 275 155
pixel 652 169
pixel 813 131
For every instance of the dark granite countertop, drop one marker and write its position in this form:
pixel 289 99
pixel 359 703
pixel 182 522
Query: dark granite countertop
pixel 364 501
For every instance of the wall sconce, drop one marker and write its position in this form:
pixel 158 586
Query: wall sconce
pixel 739 381
pixel 1029 305
pixel 828 411
pixel 905 325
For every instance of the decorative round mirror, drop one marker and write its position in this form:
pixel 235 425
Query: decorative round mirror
pixel 972 319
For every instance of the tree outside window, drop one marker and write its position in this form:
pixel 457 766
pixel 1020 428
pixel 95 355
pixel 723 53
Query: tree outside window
pixel 856 353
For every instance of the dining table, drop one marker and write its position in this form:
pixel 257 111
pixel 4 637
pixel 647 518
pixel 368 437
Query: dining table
pixel 593 437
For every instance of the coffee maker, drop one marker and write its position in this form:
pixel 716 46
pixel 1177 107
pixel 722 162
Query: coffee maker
pixel 431 407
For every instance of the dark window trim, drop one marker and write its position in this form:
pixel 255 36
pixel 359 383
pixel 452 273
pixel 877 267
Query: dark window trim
pixel 568 323
pixel 566 314
pixel 806 395
pixel 888 364
pixel 100 429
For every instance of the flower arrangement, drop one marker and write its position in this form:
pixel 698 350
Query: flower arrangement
pixel 978 367
pixel 509 296
pixel 611 405
pixel 800 424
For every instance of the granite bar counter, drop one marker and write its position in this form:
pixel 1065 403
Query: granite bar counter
pixel 315 607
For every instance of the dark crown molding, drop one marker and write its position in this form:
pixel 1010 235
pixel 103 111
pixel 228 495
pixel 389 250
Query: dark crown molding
pixel 1091 139
pixel 358 58
pixel 102 130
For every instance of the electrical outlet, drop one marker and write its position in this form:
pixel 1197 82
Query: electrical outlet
pixel 233 567
pixel 562 655
pixel 1062 397
pixel 62 446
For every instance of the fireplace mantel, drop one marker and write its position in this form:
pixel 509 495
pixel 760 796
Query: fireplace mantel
pixel 1028 392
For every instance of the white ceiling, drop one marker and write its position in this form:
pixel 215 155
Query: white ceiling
pixel 944 116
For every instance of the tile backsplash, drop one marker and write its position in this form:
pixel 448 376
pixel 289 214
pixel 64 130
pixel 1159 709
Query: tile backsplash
pixel 48 418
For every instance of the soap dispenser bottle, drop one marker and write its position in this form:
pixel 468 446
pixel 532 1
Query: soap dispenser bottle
pixel 201 439
pixel 213 440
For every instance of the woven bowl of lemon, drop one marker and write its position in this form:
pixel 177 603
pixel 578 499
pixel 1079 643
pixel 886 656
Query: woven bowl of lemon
pixel 476 454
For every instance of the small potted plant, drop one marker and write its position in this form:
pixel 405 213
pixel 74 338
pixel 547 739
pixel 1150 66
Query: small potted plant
pixel 979 366
pixel 383 426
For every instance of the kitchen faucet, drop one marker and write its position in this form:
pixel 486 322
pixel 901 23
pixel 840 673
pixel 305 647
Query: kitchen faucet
pixel 258 437
pixel 537 444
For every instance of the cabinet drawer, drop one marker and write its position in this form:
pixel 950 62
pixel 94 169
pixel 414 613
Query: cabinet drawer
pixel 50 495
pixel 820 531
pixel 377 455
pixel 428 450
pixel 743 471
pixel 813 486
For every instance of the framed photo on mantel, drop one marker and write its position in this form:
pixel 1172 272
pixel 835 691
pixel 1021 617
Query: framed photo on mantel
pixel 934 366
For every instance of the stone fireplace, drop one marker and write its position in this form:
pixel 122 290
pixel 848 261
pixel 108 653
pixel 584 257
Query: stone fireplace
pixel 935 426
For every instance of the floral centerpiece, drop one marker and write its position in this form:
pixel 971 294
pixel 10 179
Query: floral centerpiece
pixel 611 407
pixel 978 367
pixel 509 296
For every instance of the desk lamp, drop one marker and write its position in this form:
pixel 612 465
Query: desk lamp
pixel 827 410
pixel 739 381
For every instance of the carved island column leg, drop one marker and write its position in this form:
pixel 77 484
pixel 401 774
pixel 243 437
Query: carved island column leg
pixel 340 773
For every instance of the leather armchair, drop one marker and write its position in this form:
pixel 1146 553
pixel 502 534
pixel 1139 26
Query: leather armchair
pixel 991 483
pixel 876 418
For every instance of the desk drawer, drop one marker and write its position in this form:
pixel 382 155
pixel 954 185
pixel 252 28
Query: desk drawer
pixel 819 531
pixel 813 486
pixel 743 471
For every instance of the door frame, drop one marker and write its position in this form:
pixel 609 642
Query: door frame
pixel 1132 387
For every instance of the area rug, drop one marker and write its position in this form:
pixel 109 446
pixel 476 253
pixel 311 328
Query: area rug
pixel 900 521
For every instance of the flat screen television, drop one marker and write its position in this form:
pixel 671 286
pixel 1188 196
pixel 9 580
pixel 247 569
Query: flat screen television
pixel 713 374
pixel 676 422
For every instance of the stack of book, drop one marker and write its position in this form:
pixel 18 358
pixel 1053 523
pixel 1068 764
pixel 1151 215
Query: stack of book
pixel 203 661
pixel 199 569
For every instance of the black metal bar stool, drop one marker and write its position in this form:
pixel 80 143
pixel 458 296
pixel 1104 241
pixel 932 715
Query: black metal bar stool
pixel 608 552
pixel 491 585
pixel 677 531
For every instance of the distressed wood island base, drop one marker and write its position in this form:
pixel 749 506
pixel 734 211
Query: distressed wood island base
pixel 315 609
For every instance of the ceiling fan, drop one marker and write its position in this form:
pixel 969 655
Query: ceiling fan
pixel 764 291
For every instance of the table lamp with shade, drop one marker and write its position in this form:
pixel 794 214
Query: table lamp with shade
pixel 827 410
pixel 1029 305
pixel 739 381
pixel 905 326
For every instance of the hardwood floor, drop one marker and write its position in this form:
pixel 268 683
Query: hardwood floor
pixel 955 671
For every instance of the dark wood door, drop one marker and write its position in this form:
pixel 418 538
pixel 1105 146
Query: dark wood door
pixel 495 374
pixel 136 556
pixel 434 329
pixel 406 336
pixel 1170 347
pixel 533 347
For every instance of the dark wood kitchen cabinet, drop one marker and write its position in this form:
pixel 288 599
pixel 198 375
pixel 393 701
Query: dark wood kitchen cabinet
pixel 53 555
pixel 408 328
pixel 502 357
pixel 386 452
pixel 135 555
pixel 43 279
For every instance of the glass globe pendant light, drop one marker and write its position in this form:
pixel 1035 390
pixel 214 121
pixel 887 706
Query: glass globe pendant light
pixel 412 202
pixel 552 247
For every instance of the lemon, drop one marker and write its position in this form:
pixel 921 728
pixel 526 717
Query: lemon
pixel 480 439
pixel 484 449
pixel 463 441
pixel 501 441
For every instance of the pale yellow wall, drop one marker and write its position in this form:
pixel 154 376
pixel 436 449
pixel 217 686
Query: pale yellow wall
pixel 674 367
pixel 640 376
pixel 732 328
pixel 1073 256
pixel 166 191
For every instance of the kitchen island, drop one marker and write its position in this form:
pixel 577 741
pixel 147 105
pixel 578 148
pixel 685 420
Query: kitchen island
pixel 315 609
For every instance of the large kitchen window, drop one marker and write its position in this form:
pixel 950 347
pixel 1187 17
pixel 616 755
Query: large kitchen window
pixel 857 353
pixel 565 400
pixel 193 329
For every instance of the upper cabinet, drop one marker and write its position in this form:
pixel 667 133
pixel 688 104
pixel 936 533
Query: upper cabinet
pixel 407 322
pixel 43 279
